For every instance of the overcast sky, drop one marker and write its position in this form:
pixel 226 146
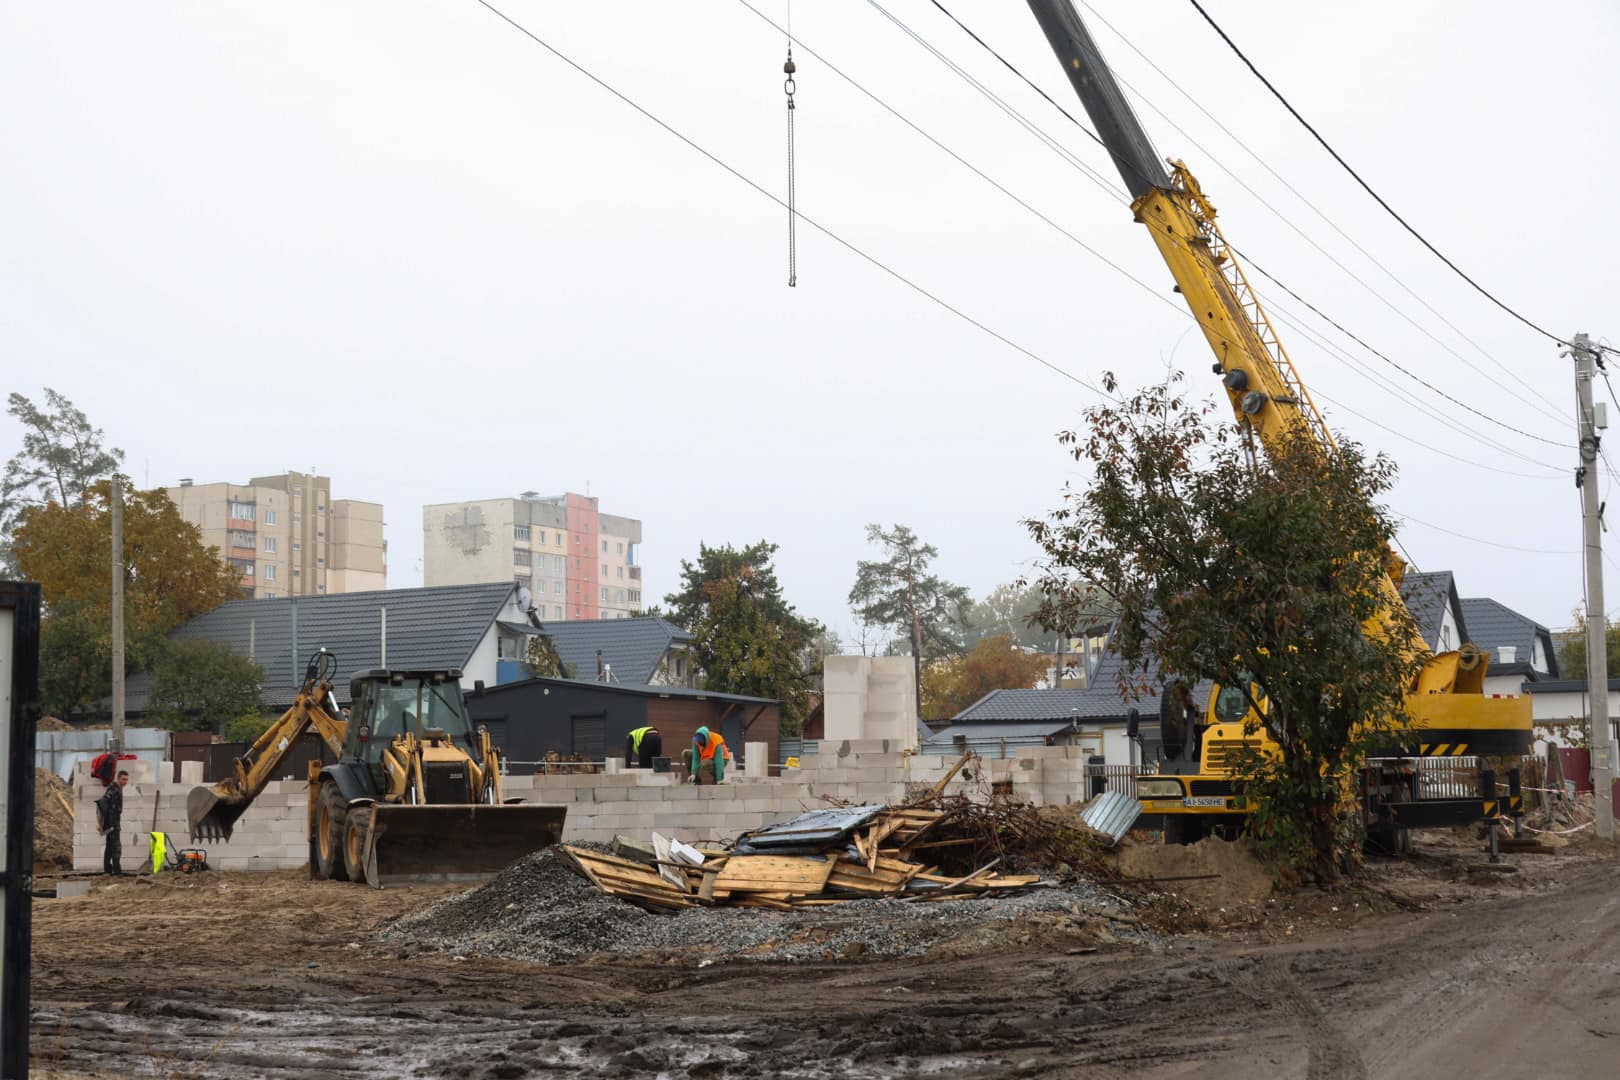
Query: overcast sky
pixel 404 245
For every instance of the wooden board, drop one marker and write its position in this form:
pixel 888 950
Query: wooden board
pixel 774 873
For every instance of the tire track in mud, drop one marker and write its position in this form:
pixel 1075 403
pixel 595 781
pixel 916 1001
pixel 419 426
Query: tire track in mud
pixel 1269 982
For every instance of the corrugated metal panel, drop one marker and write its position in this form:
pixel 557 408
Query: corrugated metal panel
pixel 816 827
pixel 1113 813
pixel 798 748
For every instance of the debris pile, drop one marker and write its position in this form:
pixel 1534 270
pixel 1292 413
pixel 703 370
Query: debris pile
pixel 53 823
pixel 820 858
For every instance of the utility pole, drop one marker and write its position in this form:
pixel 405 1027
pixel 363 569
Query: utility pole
pixel 117 614
pixel 1601 731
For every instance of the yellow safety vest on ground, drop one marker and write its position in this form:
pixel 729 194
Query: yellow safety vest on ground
pixel 158 842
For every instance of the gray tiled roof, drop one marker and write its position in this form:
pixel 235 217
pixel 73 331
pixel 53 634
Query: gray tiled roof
pixel 637 689
pixel 1493 625
pixel 1426 597
pixel 1008 729
pixel 427 628
pixel 633 646
pixel 1100 701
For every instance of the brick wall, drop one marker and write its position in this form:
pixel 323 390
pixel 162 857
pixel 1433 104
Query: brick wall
pixel 272 834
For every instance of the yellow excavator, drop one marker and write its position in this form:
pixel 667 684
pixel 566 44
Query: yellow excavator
pixel 406 799
pixel 1449 714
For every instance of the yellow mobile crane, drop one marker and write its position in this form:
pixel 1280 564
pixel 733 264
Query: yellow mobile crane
pixel 1449 713
pixel 415 792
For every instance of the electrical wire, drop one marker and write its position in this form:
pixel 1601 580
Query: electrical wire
pixel 1301 196
pixel 1478 540
pixel 1379 199
pixel 1120 196
pixel 761 189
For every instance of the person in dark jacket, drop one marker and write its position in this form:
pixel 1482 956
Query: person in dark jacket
pixel 112 819
pixel 641 746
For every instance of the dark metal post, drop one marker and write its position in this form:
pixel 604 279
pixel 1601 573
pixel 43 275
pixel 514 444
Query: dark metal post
pixel 19 712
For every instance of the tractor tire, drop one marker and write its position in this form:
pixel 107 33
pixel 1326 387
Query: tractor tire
pixel 330 818
pixel 354 843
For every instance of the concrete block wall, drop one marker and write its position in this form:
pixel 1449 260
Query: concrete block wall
pixel 272 834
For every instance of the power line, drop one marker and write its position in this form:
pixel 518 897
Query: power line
pixel 1114 191
pixel 1477 540
pixel 1379 199
pixel 1318 211
pixel 847 245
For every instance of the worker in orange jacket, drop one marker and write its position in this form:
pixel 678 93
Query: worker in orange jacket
pixel 709 754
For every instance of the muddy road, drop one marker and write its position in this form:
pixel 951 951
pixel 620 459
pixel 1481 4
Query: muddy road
pixel 1431 968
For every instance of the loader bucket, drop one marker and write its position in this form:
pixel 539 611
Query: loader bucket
pixel 212 813
pixel 455 843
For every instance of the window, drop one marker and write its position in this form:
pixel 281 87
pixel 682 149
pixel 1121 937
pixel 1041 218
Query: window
pixel 297 546
pixel 576 539
pixel 618 595
pixel 635 596
pixel 620 569
pixel 297 572
pixel 320 536
pixel 320 509
pixel 576 613
pixel 298 519
pixel 621 547
pixel 540 537
pixel 558 563
pixel 270 572
pixel 556 589
pixel 604 595
pixel 269 517
pixel 585 525
pixel 320 588
pixel 298 493
pixel 522 579
pixel 520 556
pixel 242 511
pixel 520 532
pixel 604 547
pixel 241 539
pixel 269 596
pixel 270 541
pixel 604 570
pixel 320 562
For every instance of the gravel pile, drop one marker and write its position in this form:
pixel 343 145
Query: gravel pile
pixel 541 910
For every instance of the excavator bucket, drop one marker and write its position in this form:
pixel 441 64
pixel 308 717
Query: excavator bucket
pixel 455 843
pixel 212 813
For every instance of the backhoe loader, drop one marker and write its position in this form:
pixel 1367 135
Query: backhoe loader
pixel 406 800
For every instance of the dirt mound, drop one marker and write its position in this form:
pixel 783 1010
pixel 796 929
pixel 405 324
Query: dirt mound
pixel 1241 877
pixel 53 823
pixel 51 723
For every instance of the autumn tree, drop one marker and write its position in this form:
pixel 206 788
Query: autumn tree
pixel 1571 651
pixel 202 686
pixel 62 454
pixel 543 660
pixel 951 684
pixel 170 578
pixel 899 594
pixel 746 637
pixel 1257 571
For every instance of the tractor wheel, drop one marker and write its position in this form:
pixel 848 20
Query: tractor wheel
pixel 354 843
pixel 330 818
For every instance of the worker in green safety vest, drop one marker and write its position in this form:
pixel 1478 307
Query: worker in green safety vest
pixel 641 746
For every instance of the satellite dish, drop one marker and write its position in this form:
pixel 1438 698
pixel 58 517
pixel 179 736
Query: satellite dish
pixel 524 597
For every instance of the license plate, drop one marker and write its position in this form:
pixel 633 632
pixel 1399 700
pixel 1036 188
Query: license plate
pixel 1204 800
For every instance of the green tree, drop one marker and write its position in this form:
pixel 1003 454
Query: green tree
pixel 1256 572
pixel 202 686
pixel 898 594
pixel 62 454
pixel 951 684
pixel 1572 649
pixel 746 637
pixel 75 658
pixel 543 659
pixel 248 727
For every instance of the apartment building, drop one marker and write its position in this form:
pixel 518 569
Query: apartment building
pixel 576 562
pixel 286 536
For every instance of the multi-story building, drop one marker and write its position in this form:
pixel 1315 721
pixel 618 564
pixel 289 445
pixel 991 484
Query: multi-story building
pixel 576 562
pixel 286 536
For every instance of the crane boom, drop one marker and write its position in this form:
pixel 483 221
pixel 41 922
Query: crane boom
pixel 1445 700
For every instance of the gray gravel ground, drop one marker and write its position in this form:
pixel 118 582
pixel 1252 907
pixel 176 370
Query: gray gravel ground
pixel 541 910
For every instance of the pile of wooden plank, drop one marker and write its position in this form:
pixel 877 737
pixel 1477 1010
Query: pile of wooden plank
pixel 883 858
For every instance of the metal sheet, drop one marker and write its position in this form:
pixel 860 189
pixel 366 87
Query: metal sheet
pixel 1112 813
pixel 815 827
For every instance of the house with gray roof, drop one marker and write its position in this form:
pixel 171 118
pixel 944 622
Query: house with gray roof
pixel 1432 600
pixel 642 651
pixel 449 626
pixel 1521 649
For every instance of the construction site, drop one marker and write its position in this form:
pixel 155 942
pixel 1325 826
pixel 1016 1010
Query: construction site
pixel 1220 784
pixel 874 950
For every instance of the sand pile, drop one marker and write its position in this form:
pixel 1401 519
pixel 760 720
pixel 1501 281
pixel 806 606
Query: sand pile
pixel 1241 877
pixel 53 823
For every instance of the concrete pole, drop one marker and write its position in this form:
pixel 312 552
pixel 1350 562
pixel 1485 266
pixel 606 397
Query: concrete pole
pixel 1601 731
pixel 117 613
